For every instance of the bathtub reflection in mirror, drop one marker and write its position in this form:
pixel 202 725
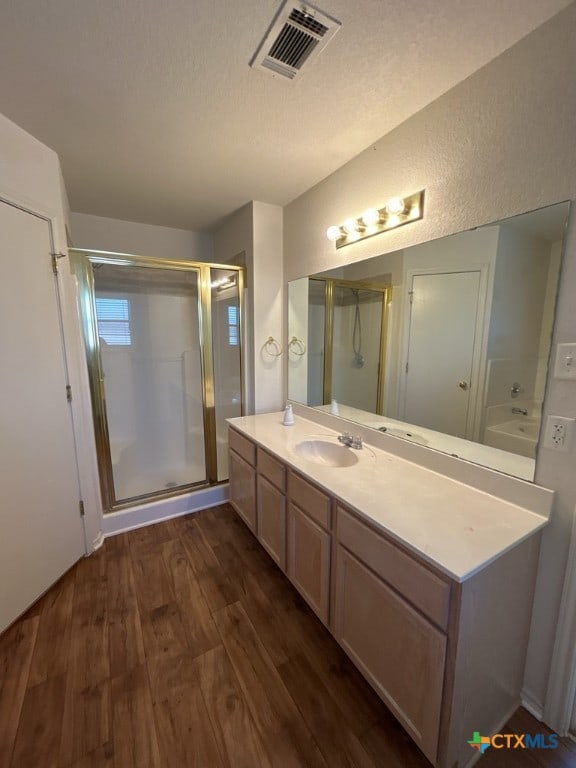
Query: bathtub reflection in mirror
pixel 445 344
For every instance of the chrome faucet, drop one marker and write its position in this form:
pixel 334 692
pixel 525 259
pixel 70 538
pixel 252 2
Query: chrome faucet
pixel 350 442
pixel 521 411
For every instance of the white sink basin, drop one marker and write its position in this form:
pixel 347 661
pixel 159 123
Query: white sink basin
pixel 326 453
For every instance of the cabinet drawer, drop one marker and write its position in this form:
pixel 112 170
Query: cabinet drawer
pixel 242 446
pixel 310 499
pixel 414 581
pixel 272 469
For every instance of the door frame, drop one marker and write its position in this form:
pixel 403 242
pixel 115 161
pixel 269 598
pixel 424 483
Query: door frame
pixel 330 284
pixel 82 261
pixel 477 378
pixel 73 350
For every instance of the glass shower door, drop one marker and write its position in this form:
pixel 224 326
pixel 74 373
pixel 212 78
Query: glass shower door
pixel 225 292
pixel 149 336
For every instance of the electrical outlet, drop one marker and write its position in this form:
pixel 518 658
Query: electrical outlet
pixel 558 433
pixel 565 365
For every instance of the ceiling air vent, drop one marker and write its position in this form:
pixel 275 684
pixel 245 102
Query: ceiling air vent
pixel 297 35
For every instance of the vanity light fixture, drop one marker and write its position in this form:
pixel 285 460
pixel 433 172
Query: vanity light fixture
pixel 396 212
pixel 222 283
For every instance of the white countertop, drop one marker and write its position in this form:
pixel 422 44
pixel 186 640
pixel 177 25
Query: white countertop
pixel 455 527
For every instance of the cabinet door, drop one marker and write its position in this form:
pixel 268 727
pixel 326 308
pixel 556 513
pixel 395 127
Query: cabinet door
pixel 243 489
pixel 272 521
pixel 309 560
pixel 396 648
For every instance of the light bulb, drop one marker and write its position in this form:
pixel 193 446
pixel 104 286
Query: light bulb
pixel 351 226
pixel 392 221
pixel 395 206
pixel 333 233
pixel 371 217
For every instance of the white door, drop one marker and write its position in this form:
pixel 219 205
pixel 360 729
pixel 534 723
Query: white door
pixel 441 346
pixel 41 532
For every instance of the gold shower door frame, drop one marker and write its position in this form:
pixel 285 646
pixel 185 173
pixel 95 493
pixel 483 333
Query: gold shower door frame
pixel 330 285
pixel 81 261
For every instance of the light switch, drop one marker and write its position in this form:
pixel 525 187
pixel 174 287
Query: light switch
pixel 565 365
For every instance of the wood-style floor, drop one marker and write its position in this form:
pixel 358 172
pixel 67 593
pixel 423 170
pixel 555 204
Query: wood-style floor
pixel 181 645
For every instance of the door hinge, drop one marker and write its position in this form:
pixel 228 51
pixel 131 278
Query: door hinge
pixel 81 507
pixel 68 393
pixel 411 294
pixel 406 368
pixel 55 257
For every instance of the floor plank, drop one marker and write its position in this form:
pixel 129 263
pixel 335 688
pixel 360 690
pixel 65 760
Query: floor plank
pixel 87 721
pixel 124 626
pixel 87 693
pixel 39 730
pixel 338 743
pixel 16 647
pixel 194 610
pixel 185 732
pixel 277 718
pixel 216 587
pixel 238 739
pixel 135 739
pixel 50 657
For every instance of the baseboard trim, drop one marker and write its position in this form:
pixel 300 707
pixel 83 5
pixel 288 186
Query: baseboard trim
pixel 157 511
pixel 531 703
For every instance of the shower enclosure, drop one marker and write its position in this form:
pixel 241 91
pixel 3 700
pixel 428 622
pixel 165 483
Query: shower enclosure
pixel 347 342
pixel 164 346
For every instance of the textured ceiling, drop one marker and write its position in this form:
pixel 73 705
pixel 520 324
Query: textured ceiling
pixel 158 118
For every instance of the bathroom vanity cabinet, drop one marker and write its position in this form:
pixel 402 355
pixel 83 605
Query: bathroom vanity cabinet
pixel 445 654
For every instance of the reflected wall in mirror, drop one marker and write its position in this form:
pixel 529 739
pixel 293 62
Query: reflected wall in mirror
pixel 445 343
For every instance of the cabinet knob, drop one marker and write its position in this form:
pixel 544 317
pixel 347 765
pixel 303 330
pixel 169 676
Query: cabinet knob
pixel 463 385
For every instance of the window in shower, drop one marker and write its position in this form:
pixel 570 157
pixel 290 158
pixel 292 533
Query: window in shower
pixel 165 366
pixel 113 316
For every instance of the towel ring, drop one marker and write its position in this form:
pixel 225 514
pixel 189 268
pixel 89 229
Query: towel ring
pixel 297 346
pixel 272 347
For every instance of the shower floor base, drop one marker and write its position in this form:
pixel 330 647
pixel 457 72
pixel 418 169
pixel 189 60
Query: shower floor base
pixel 156 482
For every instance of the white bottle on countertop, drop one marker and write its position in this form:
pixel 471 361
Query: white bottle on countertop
pixel 288 416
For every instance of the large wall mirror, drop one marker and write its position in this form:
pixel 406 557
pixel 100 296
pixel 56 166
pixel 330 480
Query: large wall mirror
pixel 445 344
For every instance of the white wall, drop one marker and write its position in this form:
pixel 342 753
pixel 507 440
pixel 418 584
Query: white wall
pixel 499 144
pixel 234 244
pixel 256 230
pixel 552 282
pixel 298 327
pixel 522 265
pixel 101 234
pixel 30 176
